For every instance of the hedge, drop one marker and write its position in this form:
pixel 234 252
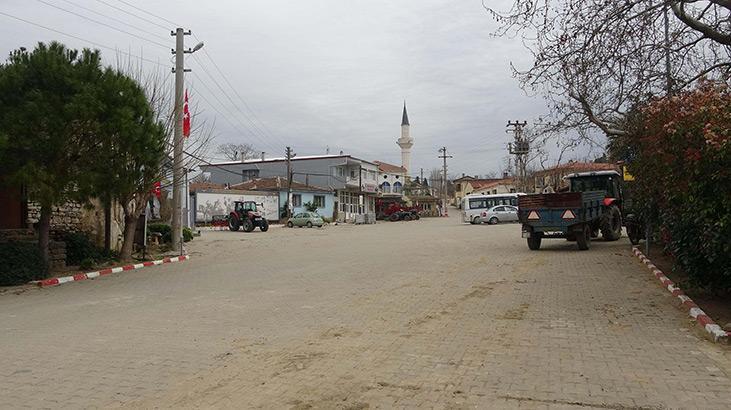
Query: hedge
pixel 22 263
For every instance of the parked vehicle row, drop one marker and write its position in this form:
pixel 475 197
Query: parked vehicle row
pixel 494 208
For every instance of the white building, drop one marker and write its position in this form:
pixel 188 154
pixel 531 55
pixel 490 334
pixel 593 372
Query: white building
pixel 391 179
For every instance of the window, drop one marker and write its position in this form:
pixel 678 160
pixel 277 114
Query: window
pixel 478 203
pixel 249 174
pixel 372 175
pixel 499 209
pixel 459 187
pixel 296 200
pixel 385 176
pixel 397 187
pixel 319 201
pixel 352 173
pixel 386 188
pixel 340 171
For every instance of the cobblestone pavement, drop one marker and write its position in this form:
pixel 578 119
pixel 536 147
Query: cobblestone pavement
pixel 429 313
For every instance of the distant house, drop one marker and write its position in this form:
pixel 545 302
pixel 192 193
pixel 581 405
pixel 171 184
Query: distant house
pixel 323 198
pixel 553 176
pixel 468 185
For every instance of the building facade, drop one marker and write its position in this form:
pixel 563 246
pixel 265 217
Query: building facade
pixel 322 198
pixel 354 181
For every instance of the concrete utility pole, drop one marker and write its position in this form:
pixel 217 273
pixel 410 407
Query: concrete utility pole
pixel 444 157
pixel 289 155
pixel 520 147
pixel 179 70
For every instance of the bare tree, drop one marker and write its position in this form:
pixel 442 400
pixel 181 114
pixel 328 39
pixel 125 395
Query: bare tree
pixel 594 59
pixel 159 92
pixel 236 152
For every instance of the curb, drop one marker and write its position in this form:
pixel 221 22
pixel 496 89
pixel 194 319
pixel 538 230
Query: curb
pixel 91 275
pixel 715 331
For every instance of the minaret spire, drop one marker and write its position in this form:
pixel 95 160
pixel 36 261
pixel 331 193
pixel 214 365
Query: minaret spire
pixel 406 141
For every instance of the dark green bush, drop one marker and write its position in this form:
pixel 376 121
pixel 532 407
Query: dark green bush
pixel 86 264
pixel 79 247
pixel 22 263
pixel 162 229
pixel 187 234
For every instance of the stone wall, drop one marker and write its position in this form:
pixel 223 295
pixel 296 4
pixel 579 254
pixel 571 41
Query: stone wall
pixel 65 218
pixel 58 255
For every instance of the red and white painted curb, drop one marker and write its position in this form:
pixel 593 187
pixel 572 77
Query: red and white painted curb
pixel 91 275
pixel 715 331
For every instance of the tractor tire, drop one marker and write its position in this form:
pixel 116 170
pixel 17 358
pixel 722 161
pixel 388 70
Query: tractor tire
pixel 583 239
pixel 493 221
pixel 407 217
pixel 571 237
pixel 417 217
pixel 233 224
pixel 309 224
pixel 264 225
pixel 393 218
pixel 534 242
pixel 290 225
pixel 611 226
pixel 248 225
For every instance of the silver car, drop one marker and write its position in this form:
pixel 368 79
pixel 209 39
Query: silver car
pixel 500 213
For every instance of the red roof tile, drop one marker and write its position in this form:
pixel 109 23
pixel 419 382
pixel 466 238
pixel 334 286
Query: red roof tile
pixel 389 168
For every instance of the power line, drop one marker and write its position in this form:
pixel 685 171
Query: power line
pixel 133 15
pixel 104 24
pixel 147 12
pixel 115 19
pixel 82 39
pixel 225 116
pixel 262 139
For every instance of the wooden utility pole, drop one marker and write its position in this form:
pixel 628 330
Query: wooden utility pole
pixel 444 157
pixel 289 155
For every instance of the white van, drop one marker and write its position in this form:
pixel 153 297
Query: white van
pixel 474 205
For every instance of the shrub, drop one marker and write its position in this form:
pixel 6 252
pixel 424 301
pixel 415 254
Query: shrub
pixel 86 264
pixel 679 152
pixel 79 247
pixel 22 263
pixel 163 229
pixel 187 234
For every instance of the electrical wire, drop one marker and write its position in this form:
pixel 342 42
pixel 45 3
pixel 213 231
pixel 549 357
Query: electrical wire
pixel 82 39
pixel 147 12
pixel 133 15
pixel 116 19
pixel 104 24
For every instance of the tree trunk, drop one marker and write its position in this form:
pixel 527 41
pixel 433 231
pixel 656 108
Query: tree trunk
pixel 107 226
pixel 130 225
pixel 44 235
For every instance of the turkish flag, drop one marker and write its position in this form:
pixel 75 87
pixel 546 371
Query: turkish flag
pixel 156 189
pixel 186 117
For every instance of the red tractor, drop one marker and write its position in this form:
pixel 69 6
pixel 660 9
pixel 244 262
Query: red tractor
pixel 246 215
pixel 396 212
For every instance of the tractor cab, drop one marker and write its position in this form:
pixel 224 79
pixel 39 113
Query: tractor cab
pixel 245 206
pixel 608 181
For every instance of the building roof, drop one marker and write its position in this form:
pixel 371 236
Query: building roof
pixel 490 183
pixel 389 168
pixel 575 166
pixel 200 186
pixel 405 116
pixel 276 184
pixel 282 159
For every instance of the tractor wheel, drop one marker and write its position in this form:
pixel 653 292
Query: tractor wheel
pixel 534 242
pixel 612 224
pixel 583 239
pixel 309 224
pixel 393 218
pixel 264 225
pixel 407 217
pixel 233 224
pixel 571 237
pixel 493 220
pixel 248 225
pixel 290 224
pixel 417 217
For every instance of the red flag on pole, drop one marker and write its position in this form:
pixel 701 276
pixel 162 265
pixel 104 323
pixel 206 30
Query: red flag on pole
pixel 156 189
pixel 186 117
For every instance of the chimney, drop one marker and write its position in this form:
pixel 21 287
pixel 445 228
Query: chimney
pixel 341 152
pixel 262 155
pixel 505 174
pixel 463 175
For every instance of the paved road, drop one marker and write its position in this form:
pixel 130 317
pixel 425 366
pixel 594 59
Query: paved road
pixel 421 314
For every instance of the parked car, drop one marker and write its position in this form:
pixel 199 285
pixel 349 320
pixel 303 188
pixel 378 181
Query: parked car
pixel 501 213
pixel 308 219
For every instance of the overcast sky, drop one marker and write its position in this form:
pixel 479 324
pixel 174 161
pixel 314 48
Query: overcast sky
pixel 313 74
